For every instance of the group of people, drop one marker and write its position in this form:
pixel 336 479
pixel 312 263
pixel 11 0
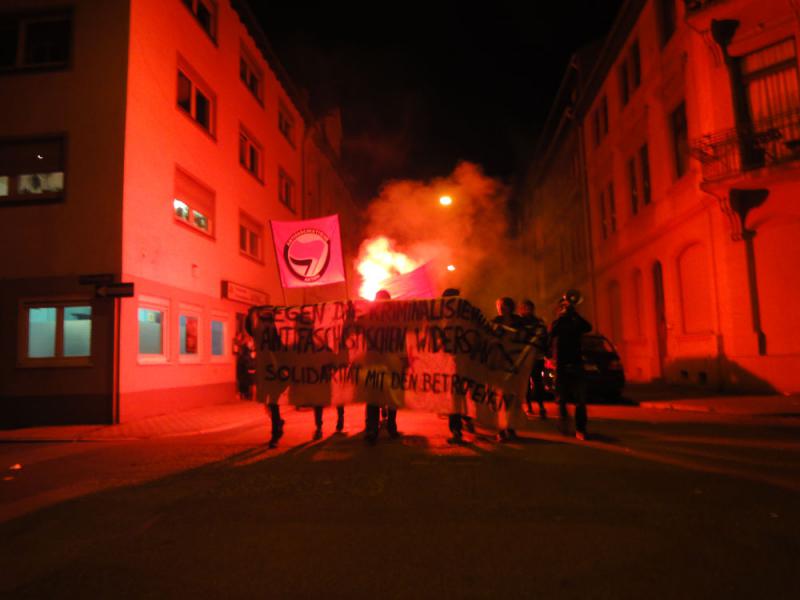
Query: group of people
pixel 561 343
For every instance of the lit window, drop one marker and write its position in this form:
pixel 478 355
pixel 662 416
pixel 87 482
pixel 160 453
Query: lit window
pixel 217 338
pixel 193 203
pixel 188 334
pixel 251 234
pixel 151 331
pixel 250 75
pixel 57 332
pixel 35 41
pixel 196 100
pixel 250 154
pixel 285 189
pixel 286 124
pixel 32 170
pixel 205 13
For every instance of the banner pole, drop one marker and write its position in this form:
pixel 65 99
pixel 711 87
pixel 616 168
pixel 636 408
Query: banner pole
pixel 277 262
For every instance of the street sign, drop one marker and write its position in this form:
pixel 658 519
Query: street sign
pixel 114 290
pixel 97 279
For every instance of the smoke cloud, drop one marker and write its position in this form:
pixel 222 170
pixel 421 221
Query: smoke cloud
pixel 470 234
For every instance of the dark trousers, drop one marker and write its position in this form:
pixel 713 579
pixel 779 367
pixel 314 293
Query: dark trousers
pixel 536 386
pixel 318 415
pixel 454 421
pixel 374 419
pixel 571 389
pixel 275 418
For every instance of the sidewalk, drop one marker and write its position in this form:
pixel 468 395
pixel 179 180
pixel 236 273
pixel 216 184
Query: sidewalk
pixel 209 419
pixel 666 397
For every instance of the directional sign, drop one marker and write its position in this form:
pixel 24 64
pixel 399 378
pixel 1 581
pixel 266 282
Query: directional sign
pixel 114 290
pixel 96 279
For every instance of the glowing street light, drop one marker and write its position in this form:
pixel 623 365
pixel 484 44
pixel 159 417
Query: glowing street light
pixel 445 200
pixel 451 267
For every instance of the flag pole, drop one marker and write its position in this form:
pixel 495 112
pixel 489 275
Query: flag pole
pixel 277 262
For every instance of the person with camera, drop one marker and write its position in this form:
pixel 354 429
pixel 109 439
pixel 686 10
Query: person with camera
pixel 565 347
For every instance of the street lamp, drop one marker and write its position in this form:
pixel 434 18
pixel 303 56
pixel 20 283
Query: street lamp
pixel 445 200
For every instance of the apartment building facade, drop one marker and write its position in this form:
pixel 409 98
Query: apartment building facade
pixel 689 125
pixel 146 142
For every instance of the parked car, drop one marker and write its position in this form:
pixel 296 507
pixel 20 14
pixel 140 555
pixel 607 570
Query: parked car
pixel 605 376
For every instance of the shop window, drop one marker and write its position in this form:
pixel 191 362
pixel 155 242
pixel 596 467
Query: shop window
pixel 286 189
pixel 250 153
pixel 286 124
pixel 37 41
pixel 251 235
pixel 196 100
pixel 57 332
pixel 188 335
pixel 217 337
pixel 205 13
pixel 152 331
pixel 193 203
pixel 251 76
pixel 32 170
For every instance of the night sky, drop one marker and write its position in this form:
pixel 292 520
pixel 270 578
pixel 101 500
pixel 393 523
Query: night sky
pixel 428 85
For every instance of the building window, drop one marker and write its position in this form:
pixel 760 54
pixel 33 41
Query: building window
pixel 57 331
pixel 187 332
pixel 596 127
pixel 193 203
pixel 196 100
pixel 603 215
pixel 633 186
pixel 644 169
pixel 612 208
pixel 636 65
pixel 249 154
pixel 286 124
pixel 667 19
pixel 285 189
pixel 152 331
pixel 217 337
pixel 251 234
pixel 624 89
pixel 680 140
pixel 32 170
pixel 770 79
pixel 205 13
pixel 251 76
pixel 35 41
pixel 604 116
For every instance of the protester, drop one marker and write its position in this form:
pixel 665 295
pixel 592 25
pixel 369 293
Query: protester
pixel 373 411
pixel 318 421
pixel 245 365
pixel 537 330
pixel 565 347
pixel 510 322
pixel 459 416
pixel 275 390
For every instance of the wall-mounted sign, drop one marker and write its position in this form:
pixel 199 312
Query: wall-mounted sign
pixel 114 290
pixel 242 293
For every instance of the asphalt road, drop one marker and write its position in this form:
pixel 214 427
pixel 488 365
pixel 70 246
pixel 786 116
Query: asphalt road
pixel 654 505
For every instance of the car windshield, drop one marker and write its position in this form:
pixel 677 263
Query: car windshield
pixel 597 344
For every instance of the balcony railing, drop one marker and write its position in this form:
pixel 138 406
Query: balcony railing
pixel 768 142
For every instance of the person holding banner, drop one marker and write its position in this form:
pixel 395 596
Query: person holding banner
pixel 266 328
pixel 508 323
pixel 373 409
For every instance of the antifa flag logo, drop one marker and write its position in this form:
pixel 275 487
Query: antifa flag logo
pixel 307 254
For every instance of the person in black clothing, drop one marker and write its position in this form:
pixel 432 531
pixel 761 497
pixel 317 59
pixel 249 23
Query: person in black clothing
pixel 565 347
pixel 245 366
pixel 507 319
pixel 373 411
pixel 537 331
pixel 275 390
pixel 459 417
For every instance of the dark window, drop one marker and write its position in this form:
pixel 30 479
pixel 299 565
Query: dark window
pixel 31 170
pixel 624 90
pixel 196 100
pixel 636 65
pixel 286 124
pixel 35 41
pixel 644 165
pixel 633 184
pixel 205 13
pixel 603 215
pixel 680 139
pixel 604 111
pixel 184 92
pixel 250 154
pixel 286 189
pixel 612 208
pixel 596 127
pixel 251 77
pixel 203 110
pixel 666 19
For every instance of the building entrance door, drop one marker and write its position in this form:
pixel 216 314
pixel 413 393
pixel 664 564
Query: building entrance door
pixel 661 316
